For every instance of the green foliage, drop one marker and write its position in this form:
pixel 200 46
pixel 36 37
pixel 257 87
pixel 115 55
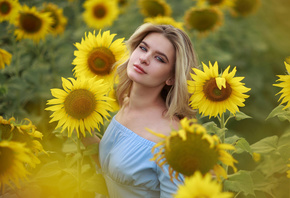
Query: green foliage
pixel 257 45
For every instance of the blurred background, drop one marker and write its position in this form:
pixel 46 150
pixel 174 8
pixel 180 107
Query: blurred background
pixel 257 44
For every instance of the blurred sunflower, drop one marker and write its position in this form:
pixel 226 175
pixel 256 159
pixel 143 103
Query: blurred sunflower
pixel 32 24
pixel 213 94
pixel 114 103
pixel 285 85
pixel 9 10
pixel 97 56
pixel 220 3
pixel 201 186
pixel 191 149
pixel 123 5
pixel 99 14
pixel 59 20
pixel 5 58
pixel 81 106
pixel 245 7
pixel 14 156
pixel 203 19
pixel 288 172
pixel 164 20
pixel 287 59
pixel 153 8
pixel 24 132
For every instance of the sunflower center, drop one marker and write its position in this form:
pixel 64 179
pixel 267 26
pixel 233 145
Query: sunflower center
pixel 215 2
pixel 213 93
pixel 6 158
pixel 5 7
pixel 80 103
pixel 153 8
pixel 245 6
pixel 30 23
pixel 191 155
pixel 101 61
pixel 100 11
pixel 54 16
pixel 203 19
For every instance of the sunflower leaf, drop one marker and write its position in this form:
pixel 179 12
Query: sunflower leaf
pixel 241 116
pixel 243 145
pixel 265 145
pixel 240 181
pixel 280 113
pixel 96 183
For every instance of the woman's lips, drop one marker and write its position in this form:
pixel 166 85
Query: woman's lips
pixel 139 69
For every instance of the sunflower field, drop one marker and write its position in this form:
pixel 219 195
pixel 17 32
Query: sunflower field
pixel 57 86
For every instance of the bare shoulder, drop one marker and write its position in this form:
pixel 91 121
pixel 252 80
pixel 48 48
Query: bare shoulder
pixel 165 125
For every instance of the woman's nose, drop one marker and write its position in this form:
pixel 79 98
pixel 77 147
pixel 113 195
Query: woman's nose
pixel 144 59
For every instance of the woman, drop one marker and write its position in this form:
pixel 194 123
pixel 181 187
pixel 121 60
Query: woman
pixel 152 93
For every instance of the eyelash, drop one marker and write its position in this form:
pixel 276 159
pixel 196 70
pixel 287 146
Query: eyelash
pixel 158 57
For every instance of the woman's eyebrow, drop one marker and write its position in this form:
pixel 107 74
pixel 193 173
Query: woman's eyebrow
pixel 158 52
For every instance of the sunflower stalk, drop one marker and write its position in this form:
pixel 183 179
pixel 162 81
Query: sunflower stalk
pixel 79 168
pixel 222 126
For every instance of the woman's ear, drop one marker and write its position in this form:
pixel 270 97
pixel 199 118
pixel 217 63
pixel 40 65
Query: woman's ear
pixel 170 81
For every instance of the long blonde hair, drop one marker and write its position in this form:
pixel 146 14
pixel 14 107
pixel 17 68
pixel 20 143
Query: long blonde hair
pixel 176 96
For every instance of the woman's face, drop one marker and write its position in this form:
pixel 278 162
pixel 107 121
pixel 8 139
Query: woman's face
pixel 151 63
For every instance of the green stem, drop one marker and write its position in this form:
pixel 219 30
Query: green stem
pixel 237 194
pixel 79 168
pixel 222 125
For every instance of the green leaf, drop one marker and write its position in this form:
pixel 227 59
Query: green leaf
pixel 96 183
pixel 69 147
pixel 212 128
pixel 272 164
pixel 280 113
pixel 50 169
pixel 240 181
pixel 243 145
pixel 241 116
pixel 231 139
pixel 284 145
pixel 71 160
pixel 91 149
pixel 265 145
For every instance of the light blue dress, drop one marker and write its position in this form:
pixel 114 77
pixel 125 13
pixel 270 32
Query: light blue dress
pixel 125 163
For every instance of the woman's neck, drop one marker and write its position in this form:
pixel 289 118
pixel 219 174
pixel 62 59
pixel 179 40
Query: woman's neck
pixel 145 97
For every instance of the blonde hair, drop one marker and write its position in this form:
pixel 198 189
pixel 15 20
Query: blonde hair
pixel 176 97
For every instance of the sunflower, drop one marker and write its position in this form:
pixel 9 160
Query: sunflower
pixel 203 19
pixel 164 20
pixel 81 106
pixel 213 94
pixel 285 85
pixel 14 156
pixel 97 56
pixel 288 172
pixel 5 58
pixel 153 8
pixel 123 5
pixel 59 20
pixel 115 105
pixel 99 14
pixel 201 186
pixel 31 24
pixel 191 149
pixel 9 10
pixel 219 3
pixel 287 59
pixel 245 7
pixel 24 132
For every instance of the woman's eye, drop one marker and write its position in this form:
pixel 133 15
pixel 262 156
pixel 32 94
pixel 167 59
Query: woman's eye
pixel 143 48
pixel 160 59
